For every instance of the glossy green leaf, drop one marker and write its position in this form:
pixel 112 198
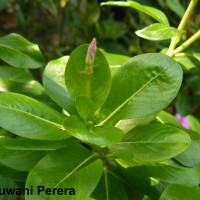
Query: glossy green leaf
pixel 177 192
pixel 71 167
pixel 194 123
pixel 54 84
pixel 19 52
pixel 85 108
pixel 158 31
pixel 140 146
pixel 29 118
pixel 153 12
pixel 99 135
pixel 15 74
pixel 76 79
pixel 135 85
pixel 109 188
pixel 167 118
pixel 22 153
pixel 191 157
pixel 168 172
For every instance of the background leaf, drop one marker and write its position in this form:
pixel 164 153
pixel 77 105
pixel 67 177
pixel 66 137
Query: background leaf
pixel 153 12
pixel 191 157
pixel 177 192
pixel 54 84
pixel 15 74
pixel 29 118
pixel 22 153
pixel 141 147
pixel 158 32
pixel 63 168
pixel 19 52
pixel 75 77
pixel 135 85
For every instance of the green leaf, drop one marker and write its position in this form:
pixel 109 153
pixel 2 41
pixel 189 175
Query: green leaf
pixel 194 123
pixel 15 74
pixel 85 108
pixel 153 12
pixel 22 153
pixel 177 192
pixel 99 135
pixel 54 84
pixel 142 147
pixel 6 183
pixel 29 118
pixel 191 157
pixel 158 31
pixel 135 85
pixel 11 174
pixel 76 79
pixel 109 188
pixel 114 60
pixel 168 172
pixel 71 167
pixel 31 88
pixel 176 7
pixel 19 52
pixel 167 118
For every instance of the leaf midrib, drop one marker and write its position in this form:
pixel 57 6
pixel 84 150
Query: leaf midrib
pixel 59 126
pixel 128 99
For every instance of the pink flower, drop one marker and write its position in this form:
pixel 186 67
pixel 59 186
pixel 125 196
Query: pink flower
pixel 91 52
pixel 183 121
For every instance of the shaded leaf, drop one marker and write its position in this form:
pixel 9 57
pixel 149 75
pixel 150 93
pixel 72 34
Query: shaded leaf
pixel 191 157
pixel 19 52
pixel 15 74
pixel 29 118
pixel 66 168
pixel 109 188
pixel 22 153
pixel 54 84
pixel 142 147
pixel 153 12
pixel 177 192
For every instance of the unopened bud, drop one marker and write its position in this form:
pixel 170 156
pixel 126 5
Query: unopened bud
pixel 91 53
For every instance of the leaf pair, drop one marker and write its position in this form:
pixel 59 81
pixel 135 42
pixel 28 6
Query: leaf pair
pixel 156 31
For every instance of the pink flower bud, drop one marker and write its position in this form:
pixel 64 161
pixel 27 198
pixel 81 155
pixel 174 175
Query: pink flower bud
pixel 91 52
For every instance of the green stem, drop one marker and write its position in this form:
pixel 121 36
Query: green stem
pixel 175 40
pixel 106 182
pixel 187 43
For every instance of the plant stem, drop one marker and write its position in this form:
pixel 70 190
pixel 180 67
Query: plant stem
pixel 106 182
pixel 187 43
pixel 181 26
